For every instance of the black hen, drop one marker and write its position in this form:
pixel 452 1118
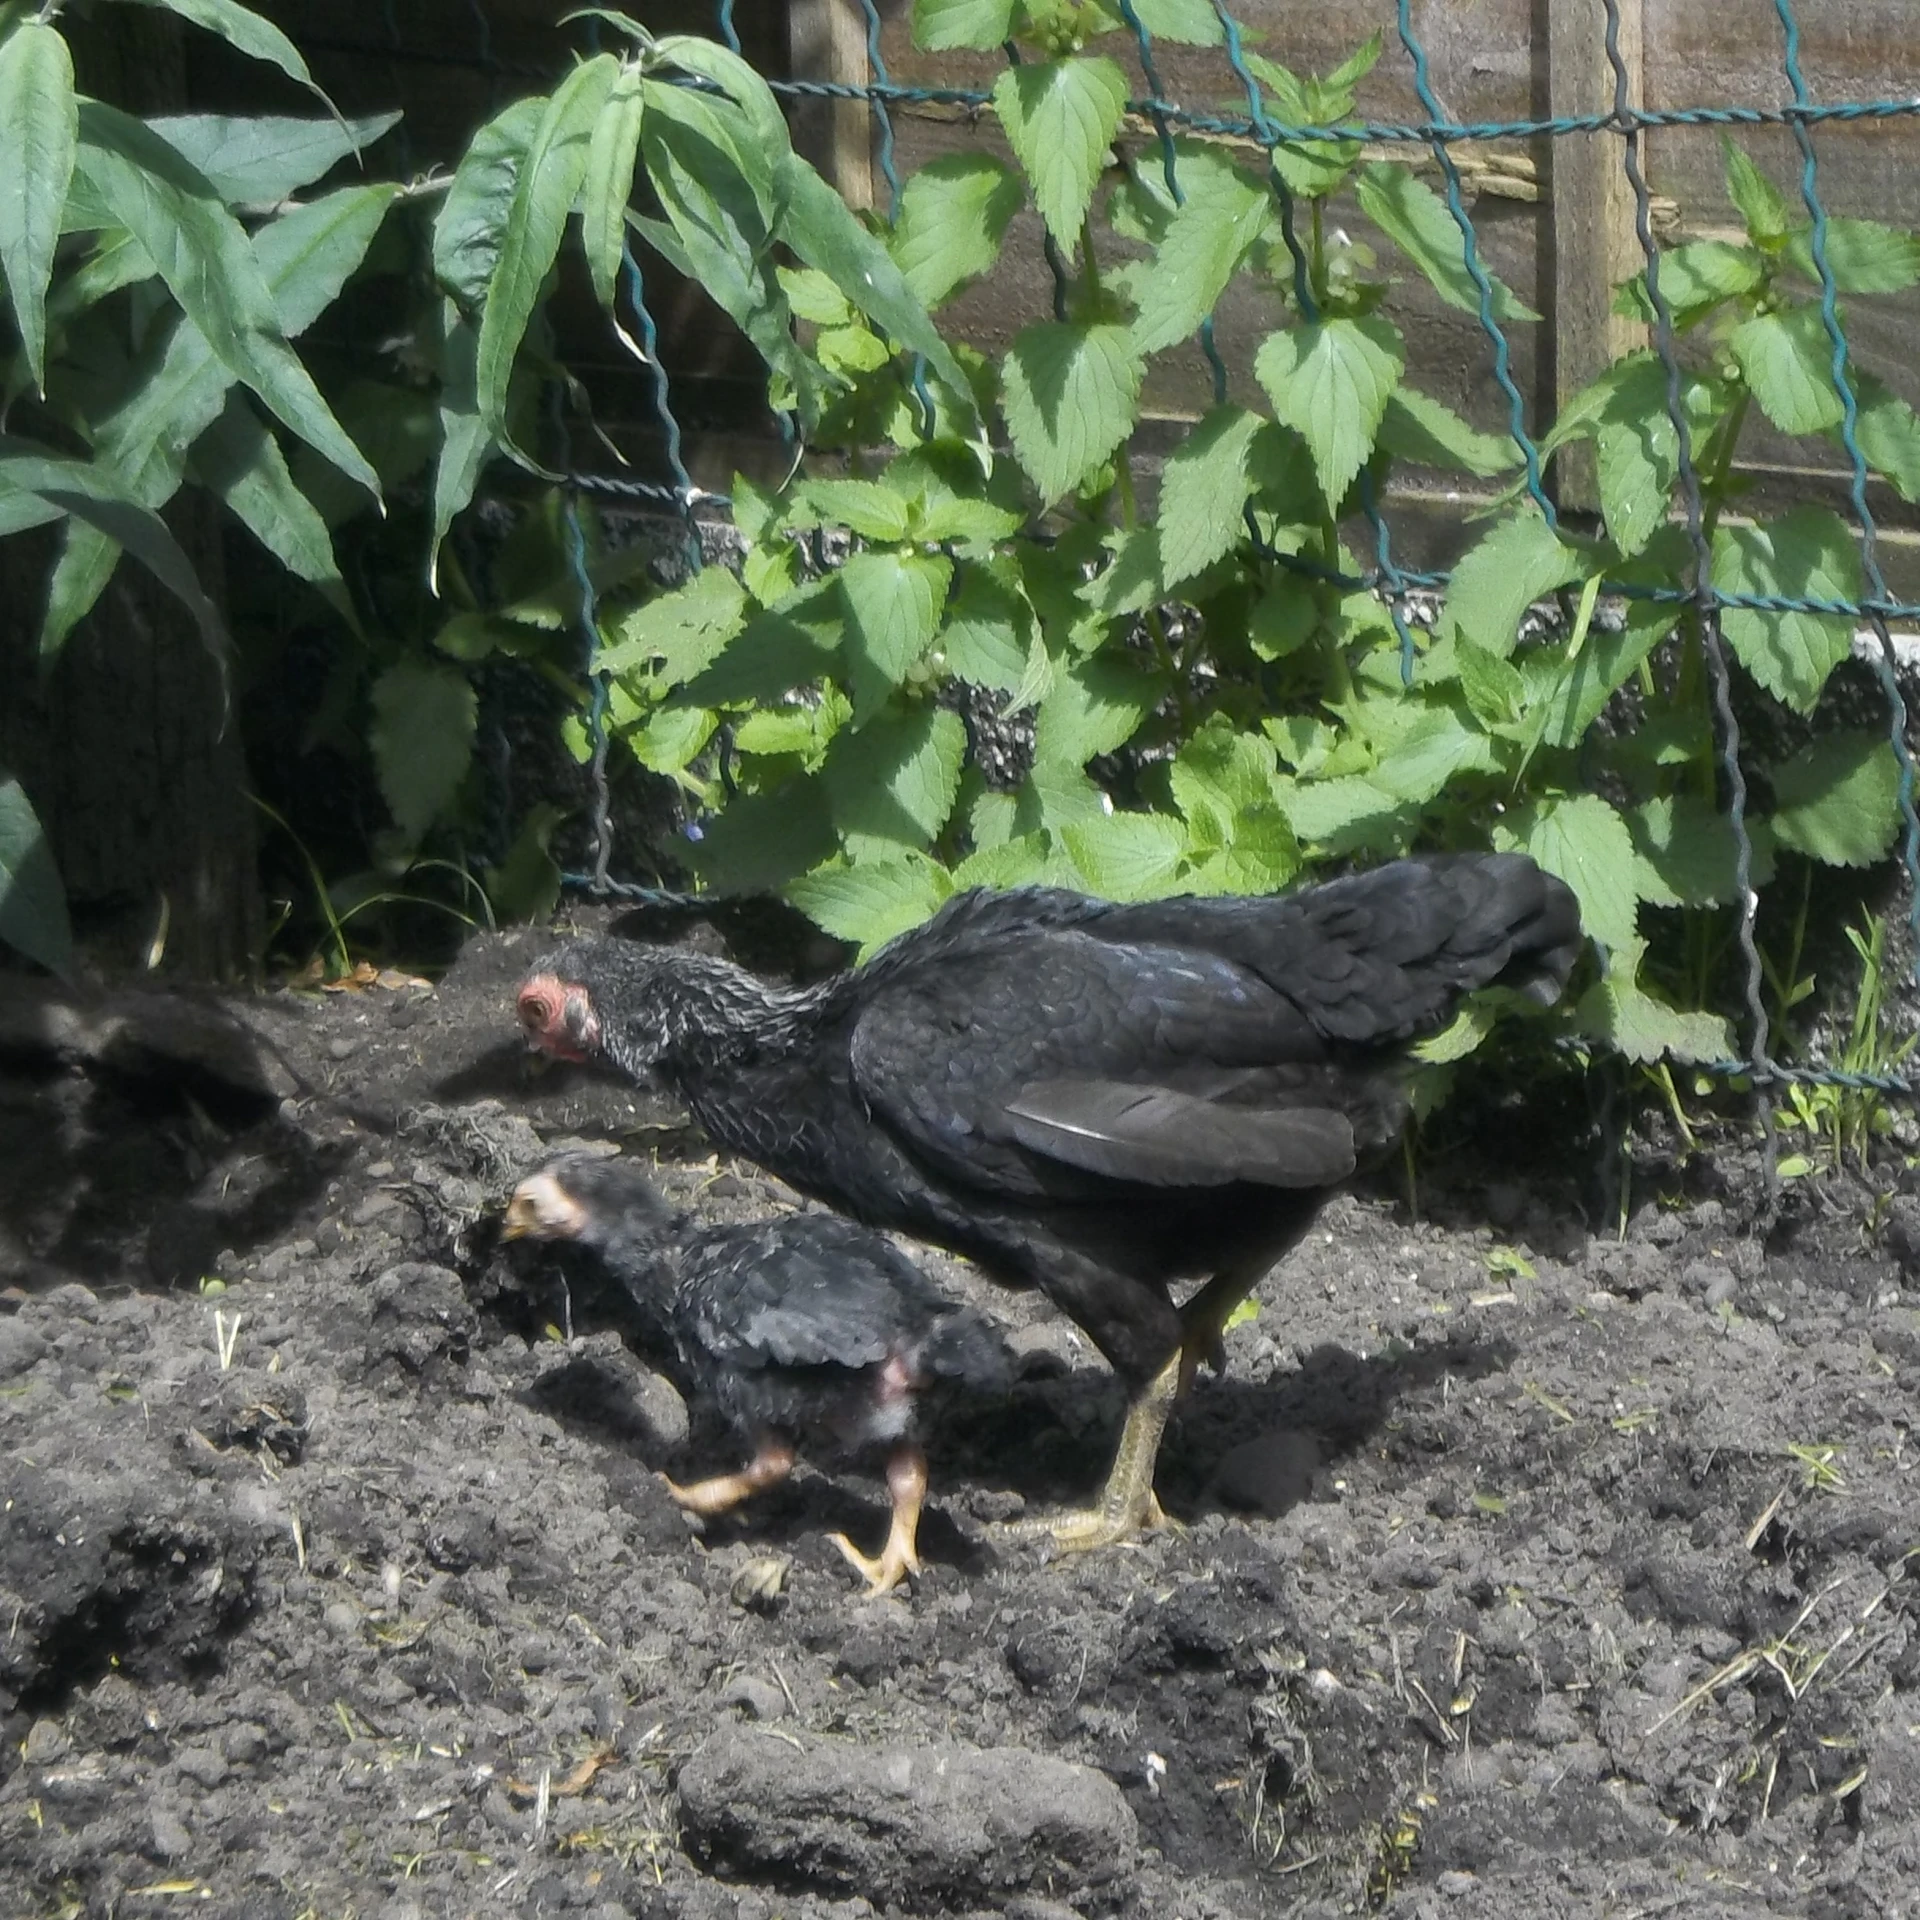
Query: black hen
pixel 1087 1098
pixel 805 1332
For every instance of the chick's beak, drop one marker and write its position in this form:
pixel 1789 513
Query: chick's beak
pixel 523 1216
pixel 542 1209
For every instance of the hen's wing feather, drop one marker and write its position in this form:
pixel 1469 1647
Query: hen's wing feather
pixel 1165 1138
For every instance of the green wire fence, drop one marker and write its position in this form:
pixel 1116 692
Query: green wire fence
pixel 1797 112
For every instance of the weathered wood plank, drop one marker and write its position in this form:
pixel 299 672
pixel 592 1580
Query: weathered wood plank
pixel 827 40
pixel 1594 245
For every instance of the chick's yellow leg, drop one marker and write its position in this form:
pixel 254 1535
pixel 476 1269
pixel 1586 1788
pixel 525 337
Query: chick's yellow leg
pixel 771 1463
pixel 907 1483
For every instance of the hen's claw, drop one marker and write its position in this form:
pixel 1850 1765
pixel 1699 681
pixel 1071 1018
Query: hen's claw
pixel 897 1559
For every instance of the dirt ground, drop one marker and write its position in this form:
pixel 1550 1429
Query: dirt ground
pixel 1531 1570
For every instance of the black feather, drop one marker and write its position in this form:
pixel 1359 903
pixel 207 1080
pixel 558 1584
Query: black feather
pixel 1091 1098
pixel 807 1325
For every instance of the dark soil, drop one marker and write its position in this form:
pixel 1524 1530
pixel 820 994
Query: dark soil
pixel 1531 1570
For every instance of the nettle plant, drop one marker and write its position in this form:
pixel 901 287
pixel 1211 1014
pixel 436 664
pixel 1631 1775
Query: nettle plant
pixel 1209 708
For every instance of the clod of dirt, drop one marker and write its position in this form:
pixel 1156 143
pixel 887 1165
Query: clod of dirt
pixel 920 1826
pixel 421 1318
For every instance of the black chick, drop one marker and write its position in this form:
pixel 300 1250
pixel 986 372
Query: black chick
pixel 1088 1098
pixel 806 1332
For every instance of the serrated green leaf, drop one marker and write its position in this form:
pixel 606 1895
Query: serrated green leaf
pixel 763 841
pixel 1095 706
pixel 1807 554
pixel 954 213
pixel 545 187
pixel 677 635
pixel 1060 117
pixel 422 741
pixel 1330 382
pixel 894 602
pixel 1497 580
pixel 39 135
pixel 259 160
pixel 869 509
pixel 1888 435
pixel 1417 427
pixel 1283 618
pixel 1424 747
pixel 942 25
pixel 1416 220
pixel 1694 279
pixel 1788 362
pixel 1227 211
pixel 1344 814
pixel 612 152
pixel 1310 168
pixel 1838 799
pixel 779 649
pixel 892 783
pixel 245 31
pixel 1862 255
pixel 1188 23
pixel 1219 772
pixel 203 255
pixel 1127 856
pixel 473 215
pixel 672 738
pixel 33 903
pixel 1260 856
pixel 1070 393
pixel 1585 842
pixel 1630 1019
pixel 1132 583
pixel 1203 492
pixel 874 900
pixel 989 636
pixel 1760 204
pixel 1493 687
pixel 1686 850
pixel 1027 860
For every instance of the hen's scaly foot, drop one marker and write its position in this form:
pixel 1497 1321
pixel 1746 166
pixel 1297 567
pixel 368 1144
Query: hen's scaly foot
pixel 897 1559
pixel 1128 1505
pixel 1081 1529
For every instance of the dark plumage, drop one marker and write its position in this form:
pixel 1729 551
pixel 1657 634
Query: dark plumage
pixel 807 1332
pixel 1088 1098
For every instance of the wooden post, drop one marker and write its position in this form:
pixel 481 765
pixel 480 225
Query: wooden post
pixel 1594 245
pixel 828 41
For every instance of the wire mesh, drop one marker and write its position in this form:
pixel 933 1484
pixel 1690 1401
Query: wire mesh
pixel 1702 601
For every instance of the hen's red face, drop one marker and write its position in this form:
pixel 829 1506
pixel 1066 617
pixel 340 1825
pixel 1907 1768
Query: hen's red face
pixel 557 1017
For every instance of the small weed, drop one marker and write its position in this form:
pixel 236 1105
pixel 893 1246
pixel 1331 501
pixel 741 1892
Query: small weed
pixel 1819 1468
pixel 1510 1263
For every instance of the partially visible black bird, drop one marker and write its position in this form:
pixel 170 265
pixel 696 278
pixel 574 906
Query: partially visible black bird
pixel 1088 1098
pixel 807 1332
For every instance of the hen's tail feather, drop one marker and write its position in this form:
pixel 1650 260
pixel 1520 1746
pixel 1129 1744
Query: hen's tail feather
pixel 963 1347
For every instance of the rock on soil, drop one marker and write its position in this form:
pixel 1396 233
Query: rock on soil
pixel 1532 1572
pixel 921 1827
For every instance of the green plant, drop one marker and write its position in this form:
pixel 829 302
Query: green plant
pixel 1849 1119
pixel 1208 709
